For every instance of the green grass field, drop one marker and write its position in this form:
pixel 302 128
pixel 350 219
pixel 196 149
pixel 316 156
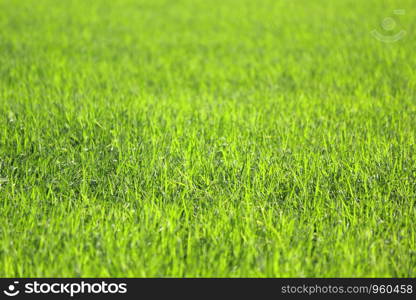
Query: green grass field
pixel 207 138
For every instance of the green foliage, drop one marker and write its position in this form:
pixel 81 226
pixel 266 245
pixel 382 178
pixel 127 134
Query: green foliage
pixel 206 138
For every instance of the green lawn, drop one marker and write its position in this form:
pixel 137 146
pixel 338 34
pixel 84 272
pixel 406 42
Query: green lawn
pixel 207 138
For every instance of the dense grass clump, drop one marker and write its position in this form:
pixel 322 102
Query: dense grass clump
pixel 207 138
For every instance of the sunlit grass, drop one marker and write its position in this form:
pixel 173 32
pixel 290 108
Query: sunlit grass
pixel 206 138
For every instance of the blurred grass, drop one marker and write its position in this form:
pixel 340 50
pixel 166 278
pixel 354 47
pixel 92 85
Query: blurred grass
pixel 206 138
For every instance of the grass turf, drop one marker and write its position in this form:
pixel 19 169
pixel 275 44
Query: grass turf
pixel 206 138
